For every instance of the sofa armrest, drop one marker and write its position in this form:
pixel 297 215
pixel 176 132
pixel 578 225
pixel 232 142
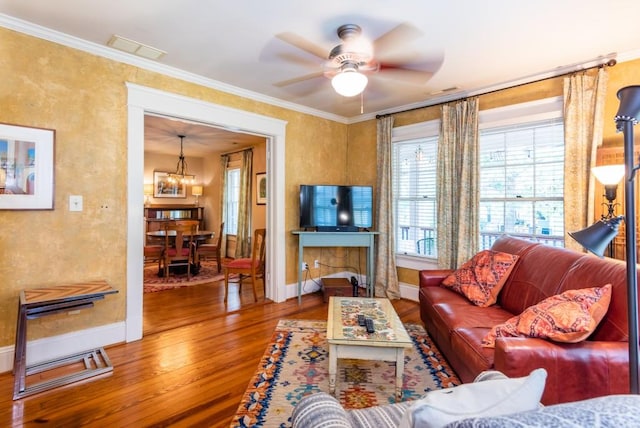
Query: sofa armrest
pixel 433 277
pixel 320 409
pixel 576 371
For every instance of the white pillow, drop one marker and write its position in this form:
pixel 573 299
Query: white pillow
pixel 492 396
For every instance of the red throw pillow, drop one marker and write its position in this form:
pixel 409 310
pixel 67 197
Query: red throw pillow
pixel 568 317
pixel 481 278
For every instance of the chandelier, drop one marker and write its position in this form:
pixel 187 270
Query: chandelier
pixel 181 176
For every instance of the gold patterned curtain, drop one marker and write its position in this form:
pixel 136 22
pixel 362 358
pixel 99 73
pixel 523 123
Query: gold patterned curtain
pixel 224 163
pixel 457 183
pixel 386 282
pixel 243 243
pixel 583 122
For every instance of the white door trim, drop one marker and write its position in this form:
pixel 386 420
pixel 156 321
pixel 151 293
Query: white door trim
pixel 143 100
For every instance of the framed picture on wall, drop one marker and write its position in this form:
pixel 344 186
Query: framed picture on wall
pixel 163 188
pixel 26 168
pixel 261 188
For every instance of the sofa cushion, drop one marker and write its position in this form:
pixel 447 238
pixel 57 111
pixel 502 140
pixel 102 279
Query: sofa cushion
pixel 481 278
pixel 467 353
pixel 568 317
pixel 490 397
pixel 538 274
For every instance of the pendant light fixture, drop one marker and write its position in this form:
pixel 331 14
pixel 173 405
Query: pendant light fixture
pixel 181 176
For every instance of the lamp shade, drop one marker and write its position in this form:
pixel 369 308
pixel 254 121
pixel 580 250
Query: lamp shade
pixel 196 190
pixel 148 189
pixel 629 109
pixel 597 237
pixel 349 82
pixel 608 174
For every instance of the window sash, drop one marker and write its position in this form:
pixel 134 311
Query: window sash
pixel 522 182
pixel 414 190
pixel 233 201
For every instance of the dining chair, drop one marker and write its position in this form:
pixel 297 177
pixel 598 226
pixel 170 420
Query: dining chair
pixel 211 251
pixel 153 254
pixel 252 267
pixel 179 249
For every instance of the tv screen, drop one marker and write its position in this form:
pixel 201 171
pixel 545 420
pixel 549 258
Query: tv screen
pixel 336 208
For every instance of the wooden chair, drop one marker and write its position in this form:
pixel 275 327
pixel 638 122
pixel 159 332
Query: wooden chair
pixel 211 251
pixel 152 254
pixel 248 267
pixel 179 251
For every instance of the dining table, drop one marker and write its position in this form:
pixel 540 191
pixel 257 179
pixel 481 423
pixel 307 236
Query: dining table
pixel 200 236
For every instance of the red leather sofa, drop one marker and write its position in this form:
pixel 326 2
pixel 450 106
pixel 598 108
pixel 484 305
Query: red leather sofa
pixel 594 367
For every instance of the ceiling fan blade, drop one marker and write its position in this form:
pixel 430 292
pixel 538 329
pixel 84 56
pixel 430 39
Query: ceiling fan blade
pixel 304 44
pixel 392 39
pixel 298 60
pixel 299 79
pixel 407 75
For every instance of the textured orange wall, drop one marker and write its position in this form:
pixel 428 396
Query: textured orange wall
pixel 83 97
pixel 621 75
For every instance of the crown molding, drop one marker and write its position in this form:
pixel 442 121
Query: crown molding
pixel 123 57
pixel 64 39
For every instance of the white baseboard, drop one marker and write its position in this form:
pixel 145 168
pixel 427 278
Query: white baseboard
pixel 407 291
pixel 51 348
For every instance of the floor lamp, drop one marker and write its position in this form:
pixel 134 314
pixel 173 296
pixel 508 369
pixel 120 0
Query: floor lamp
pixel 596 237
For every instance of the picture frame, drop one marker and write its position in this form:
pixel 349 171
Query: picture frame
pixel 26 167
pixel 162 188
pixel 261 188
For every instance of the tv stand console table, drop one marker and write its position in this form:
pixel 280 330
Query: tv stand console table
pixel 337 239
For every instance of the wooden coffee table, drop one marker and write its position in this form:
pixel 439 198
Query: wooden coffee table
pixel 347 339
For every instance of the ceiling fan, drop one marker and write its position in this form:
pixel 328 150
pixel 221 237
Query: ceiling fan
pixel 348 64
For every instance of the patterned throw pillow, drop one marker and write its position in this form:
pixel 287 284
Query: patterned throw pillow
pixel 481 278
pixel 568 317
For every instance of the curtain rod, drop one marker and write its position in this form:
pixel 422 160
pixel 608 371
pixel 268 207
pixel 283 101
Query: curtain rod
pixel 609 63
pixel 237 151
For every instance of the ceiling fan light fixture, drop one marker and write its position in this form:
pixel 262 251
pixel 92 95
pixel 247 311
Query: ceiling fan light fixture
pixel 349 82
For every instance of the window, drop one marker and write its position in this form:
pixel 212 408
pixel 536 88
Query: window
pixel 414 189
pixel 233 199
pixel 522 180
pixel 521 156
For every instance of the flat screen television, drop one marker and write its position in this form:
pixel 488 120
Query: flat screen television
pixel 329 208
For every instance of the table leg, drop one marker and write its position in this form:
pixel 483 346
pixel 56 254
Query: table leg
pixel 399 373
pixel 300 251
pixel 20 353
pixel 333 365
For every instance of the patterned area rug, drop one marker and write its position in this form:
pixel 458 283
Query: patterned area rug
pixel 208 273
pixel 296 364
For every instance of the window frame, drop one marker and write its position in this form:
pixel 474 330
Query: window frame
pixel 532 111
pixel 405 133
pixel 519 114
pixel 227 222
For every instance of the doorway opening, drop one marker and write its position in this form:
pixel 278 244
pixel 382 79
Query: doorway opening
pixel 142 101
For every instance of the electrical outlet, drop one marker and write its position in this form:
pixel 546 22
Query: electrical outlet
pixel 316 264
pixel 304 266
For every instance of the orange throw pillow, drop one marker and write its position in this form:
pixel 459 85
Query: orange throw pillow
pixel 568 317
pixel 481 278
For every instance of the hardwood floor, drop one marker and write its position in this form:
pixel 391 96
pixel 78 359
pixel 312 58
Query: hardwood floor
pixel 190 369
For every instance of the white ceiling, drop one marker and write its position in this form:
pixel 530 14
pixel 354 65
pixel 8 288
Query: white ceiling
pixel 468 44
pixel 161 136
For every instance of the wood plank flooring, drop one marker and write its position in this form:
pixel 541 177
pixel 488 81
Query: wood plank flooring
pixel 190 369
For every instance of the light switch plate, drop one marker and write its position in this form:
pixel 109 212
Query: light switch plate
pixel 75 203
